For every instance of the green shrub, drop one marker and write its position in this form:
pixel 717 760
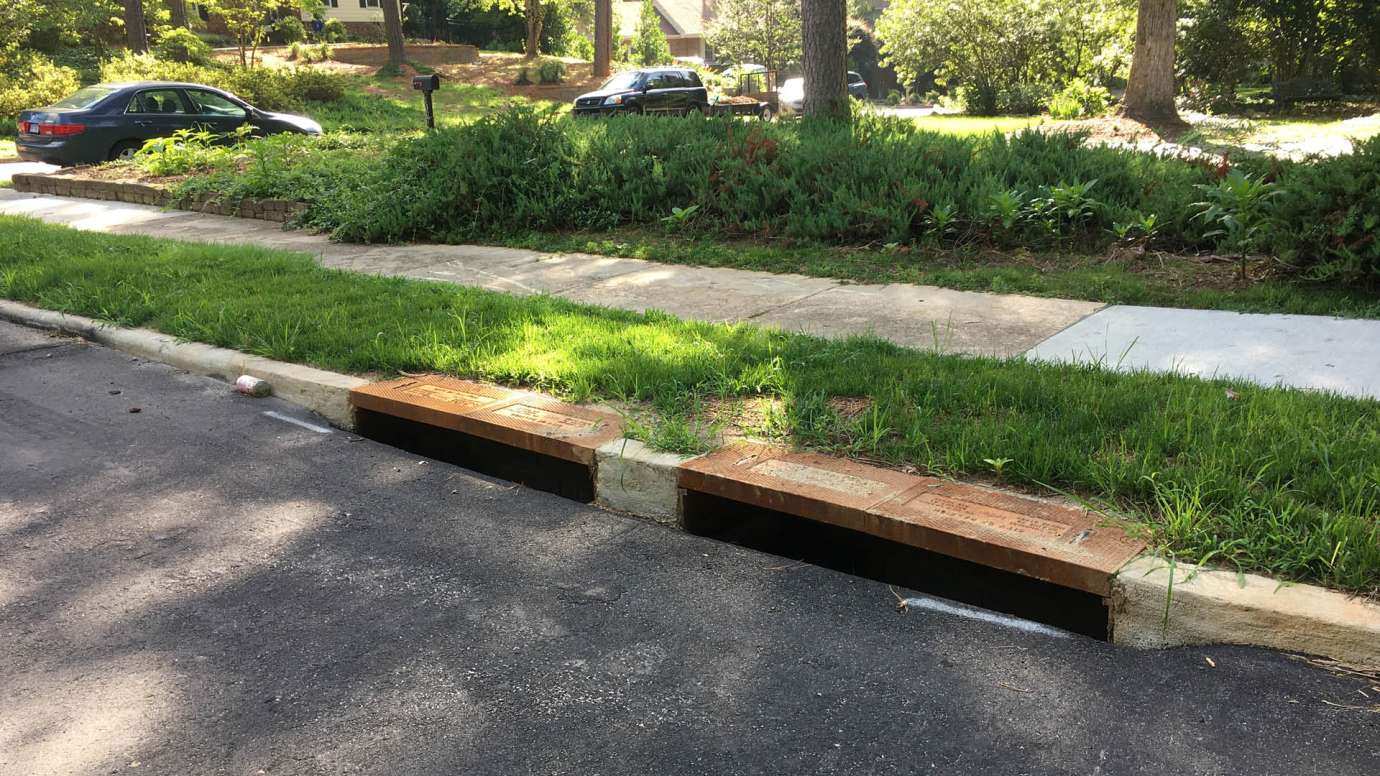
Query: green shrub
pixel 1022 99
pixel 576 45
pixel 1325 220
pixel 526 169
pixel 551 71
pixel 265 87
pixel 30 80
pixel 179 44
pixel 334 31
pixel 879 180
pixel 1079 100
pixel 288 29
pixel 369 33
pixel 649 46
pixel 316 86
pixel 186 151
pixel 524 76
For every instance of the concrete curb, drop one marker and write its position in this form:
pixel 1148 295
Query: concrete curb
pixel 1158 604
pixel 633 478
pixel 1148 608
pixel 325 393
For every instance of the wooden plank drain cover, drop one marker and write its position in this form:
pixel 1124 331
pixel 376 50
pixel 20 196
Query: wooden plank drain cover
pixel 1064 545
pixel 515 418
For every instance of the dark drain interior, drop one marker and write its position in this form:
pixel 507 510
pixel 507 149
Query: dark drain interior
pixel 860 554
pixel 535 470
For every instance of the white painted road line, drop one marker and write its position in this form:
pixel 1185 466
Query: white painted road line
pixel 982 615
pixel 296 422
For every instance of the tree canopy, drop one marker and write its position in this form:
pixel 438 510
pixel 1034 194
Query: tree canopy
pixel 765 32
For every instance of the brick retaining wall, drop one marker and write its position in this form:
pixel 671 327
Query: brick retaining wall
pixel 59 185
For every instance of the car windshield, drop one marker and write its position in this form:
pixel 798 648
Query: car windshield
pixel 84 98
pixel 624 80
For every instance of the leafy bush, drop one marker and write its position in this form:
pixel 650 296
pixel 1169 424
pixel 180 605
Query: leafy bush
pixel 1022 99
pixel 1079 100
pixel 997 48
pixel 879 180
pixel 369 33
pixel 179 44
pixel 334 31
pixel 316 86
pixel 288 29
pixel 528 169
pixel 268 88
pixel 551 71
pixel 186 151
pixel 1325 220
pixel 649 46
pixel 576 45
pixel 30 80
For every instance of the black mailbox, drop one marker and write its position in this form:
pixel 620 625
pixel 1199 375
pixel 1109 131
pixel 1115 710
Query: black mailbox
pixel 426 84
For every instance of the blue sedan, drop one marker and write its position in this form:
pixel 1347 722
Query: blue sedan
pixel 111 121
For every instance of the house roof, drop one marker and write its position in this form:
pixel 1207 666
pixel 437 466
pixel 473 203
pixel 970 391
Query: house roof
pixel 684 17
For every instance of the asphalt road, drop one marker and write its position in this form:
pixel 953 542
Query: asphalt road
pixel 200 588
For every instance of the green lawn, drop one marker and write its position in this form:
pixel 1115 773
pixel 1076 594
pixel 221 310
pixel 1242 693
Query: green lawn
pixel 1281 482
pixel 1166 281
pixel 6 148
pixel 1276 132
pixel 382 104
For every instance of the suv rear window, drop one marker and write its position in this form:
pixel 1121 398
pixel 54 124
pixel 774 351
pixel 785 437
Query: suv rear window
pixel 84 97
pixel 692 78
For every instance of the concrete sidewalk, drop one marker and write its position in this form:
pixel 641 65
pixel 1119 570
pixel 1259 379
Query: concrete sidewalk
pixel 914 316
pixel 1296 351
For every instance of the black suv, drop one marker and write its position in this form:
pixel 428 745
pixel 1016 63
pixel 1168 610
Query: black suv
pixel 674 91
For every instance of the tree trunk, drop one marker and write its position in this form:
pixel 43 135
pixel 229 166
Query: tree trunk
pixel 603 38
pixel 1150 89
pixel 135 32
pixel 392 29
pixel 178 10
pixel 824 44
pixel 533 11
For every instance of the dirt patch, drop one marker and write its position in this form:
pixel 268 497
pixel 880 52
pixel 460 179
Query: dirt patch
pixel 1113 130
pixel 758 417
pixel 500 72
pixel 122 173
pixel 850 406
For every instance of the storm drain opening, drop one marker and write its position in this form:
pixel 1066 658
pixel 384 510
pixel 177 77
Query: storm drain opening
pixel 902 565
pixel 530 468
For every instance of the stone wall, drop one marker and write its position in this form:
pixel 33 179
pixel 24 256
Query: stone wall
pixel 60 185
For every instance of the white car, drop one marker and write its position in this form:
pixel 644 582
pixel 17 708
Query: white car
pixel 792 95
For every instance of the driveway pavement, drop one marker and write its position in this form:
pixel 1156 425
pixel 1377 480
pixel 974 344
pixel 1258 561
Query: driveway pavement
pixel 221 585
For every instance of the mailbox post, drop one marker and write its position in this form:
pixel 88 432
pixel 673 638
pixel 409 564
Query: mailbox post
pixel 427 84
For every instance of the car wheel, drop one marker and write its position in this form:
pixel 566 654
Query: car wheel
pixel 124 150
pixel 766 114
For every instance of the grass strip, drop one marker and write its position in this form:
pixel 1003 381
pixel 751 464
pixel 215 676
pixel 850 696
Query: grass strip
pixel 1275 481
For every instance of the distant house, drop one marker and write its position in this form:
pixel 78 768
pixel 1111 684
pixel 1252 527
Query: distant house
pixel 360 17
pixel 683 22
